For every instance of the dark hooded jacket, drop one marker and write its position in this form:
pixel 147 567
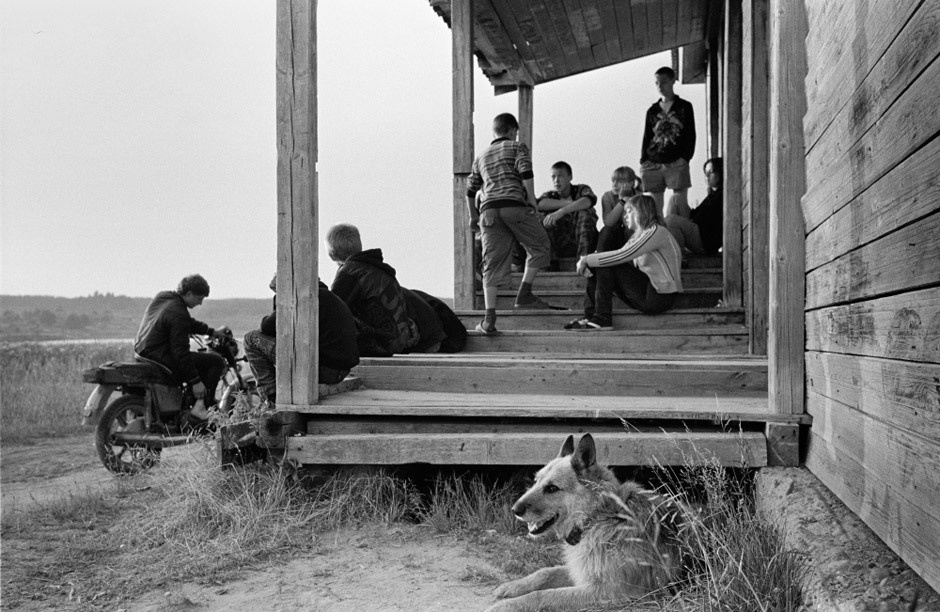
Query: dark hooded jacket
pixel 164 332
pixel 669 136
pixel 368 286
pixel 337 331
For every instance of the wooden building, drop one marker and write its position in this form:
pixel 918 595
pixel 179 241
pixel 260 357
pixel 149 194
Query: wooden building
pixel 826 346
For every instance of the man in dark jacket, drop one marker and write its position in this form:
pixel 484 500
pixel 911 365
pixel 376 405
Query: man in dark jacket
pixel 337 343
pixel 163 337
pixel 368 286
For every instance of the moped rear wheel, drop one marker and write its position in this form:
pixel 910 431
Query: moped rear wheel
pixel 126 414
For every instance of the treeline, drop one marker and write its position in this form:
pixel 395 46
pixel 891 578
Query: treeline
pixel 40 317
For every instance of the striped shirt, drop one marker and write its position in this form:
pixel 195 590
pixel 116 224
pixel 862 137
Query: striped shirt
pixel 499 172
pixel 654 251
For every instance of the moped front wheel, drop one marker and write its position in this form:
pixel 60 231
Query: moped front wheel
pixel 126 414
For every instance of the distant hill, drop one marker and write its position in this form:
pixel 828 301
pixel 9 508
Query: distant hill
pixel 43 317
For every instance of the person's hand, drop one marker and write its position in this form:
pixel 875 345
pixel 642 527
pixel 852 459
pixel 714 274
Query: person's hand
pixel 474 225
pixel 199 390
pixel 582 267
pixel 222 333
pixel 551 219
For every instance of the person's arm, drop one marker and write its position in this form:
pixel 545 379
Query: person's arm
pixel 346 288
pixel 614 216
pixel 647 241
pixel 474 183
pixel 688 132
pixel 586 199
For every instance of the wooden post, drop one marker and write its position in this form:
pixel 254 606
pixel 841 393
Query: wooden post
pixel 462 35
pixel 786 340
pixel 297 307
pixel 526 119
pixel 713 104
pixel 755 15
pixel 731 150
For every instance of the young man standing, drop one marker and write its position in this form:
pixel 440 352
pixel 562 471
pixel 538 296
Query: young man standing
pixel 503 175
pixel 668 145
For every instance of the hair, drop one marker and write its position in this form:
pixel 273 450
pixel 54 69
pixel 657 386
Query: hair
pixel 647 213
pixel 626 173
pixel 503 123
pixel 273 283
pixel 194 283
pixel 718 166
pixel 667 72
pixel 343 241
pixel 563 165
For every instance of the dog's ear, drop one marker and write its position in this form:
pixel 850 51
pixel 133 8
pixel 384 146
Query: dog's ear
pixel 567 448
pixel 586 455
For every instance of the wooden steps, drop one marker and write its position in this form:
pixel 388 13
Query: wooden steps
pixel 697 278
pixel 573 299
pixel 721 340
pixel 710 379
pixel 624 318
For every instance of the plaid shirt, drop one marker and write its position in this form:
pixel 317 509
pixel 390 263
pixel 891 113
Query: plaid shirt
pixel 500 171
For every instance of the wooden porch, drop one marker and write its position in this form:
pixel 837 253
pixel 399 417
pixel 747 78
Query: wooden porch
pixel 693 383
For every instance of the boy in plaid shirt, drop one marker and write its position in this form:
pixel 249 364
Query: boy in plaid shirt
pixel 568 215
pixel 503 175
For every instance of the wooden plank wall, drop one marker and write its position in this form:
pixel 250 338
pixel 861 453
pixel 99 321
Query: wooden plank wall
pixel 872 212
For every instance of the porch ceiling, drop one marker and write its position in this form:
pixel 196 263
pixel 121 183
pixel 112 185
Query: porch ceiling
pixel 536 41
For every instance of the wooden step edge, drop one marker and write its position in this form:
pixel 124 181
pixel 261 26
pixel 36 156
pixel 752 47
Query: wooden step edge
pixel 572 356
pixel 580 292
pixel 566 361
pixel 722 330
pixel 664 448
pixel 617 311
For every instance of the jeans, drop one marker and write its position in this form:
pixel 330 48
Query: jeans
pixel 261 350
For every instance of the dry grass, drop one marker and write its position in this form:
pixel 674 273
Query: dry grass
pixel 41 386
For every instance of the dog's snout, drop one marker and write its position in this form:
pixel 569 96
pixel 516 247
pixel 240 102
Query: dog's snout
pixel 519 508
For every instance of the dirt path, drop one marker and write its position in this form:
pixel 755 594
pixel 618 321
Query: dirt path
pixel 399 568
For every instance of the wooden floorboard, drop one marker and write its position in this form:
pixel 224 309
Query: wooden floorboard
pixel 627 448
pixel 379 402
pixel 623 319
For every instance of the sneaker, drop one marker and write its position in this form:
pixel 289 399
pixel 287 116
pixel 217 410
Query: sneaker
pixel 595 324
pixel 576 323
pixel 535 303
pixel 485 330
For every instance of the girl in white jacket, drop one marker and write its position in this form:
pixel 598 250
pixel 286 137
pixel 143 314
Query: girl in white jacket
pixel 644 273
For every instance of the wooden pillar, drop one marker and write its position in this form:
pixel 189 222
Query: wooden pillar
pixel 526 121
pixel 755 16
pixel 713 104
pixel 297 307
pixel 462 36
pixel 786 340
pixel 731 152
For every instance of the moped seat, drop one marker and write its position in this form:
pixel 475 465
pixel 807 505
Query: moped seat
pixel 129 373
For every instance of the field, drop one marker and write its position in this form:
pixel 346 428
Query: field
pixel 191 534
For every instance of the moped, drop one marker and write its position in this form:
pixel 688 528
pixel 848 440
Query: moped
pixel 151 410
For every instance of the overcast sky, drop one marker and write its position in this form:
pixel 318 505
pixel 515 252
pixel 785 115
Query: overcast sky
pixel 137 140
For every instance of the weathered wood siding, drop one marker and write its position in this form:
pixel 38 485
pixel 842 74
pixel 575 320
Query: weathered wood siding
pixel 872 212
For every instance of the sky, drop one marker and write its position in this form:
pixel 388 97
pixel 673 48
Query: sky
pixel 137 140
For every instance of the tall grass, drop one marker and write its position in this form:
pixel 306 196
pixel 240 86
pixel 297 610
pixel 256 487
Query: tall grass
pixel 41 388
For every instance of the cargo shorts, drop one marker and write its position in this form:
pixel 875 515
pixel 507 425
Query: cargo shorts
pixel 498 227
pixel 657 177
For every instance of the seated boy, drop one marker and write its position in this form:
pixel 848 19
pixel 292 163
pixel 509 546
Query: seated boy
pixel 337 344
pixel 368 286
pixel 568 215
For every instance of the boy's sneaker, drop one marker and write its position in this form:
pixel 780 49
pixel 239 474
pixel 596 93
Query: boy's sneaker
pixel 595 323
pixel 576 323
pixel 487 329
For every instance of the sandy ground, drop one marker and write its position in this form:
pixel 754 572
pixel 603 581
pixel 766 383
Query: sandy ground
pixel 400 568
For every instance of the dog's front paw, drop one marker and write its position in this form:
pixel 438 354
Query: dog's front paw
pixel 511 589
pixel 502 606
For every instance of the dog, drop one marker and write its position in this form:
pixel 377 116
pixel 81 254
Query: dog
pixel 623 542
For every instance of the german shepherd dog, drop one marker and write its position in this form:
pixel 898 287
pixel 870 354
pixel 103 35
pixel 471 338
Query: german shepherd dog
pixel 623 541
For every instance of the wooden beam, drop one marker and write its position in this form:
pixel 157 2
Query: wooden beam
pixel 713 103
pixel 526 118
pixel 666 448
pixel 731 151
pixel 297 287
pixel 787 184
pixel 462 32
pixel 755 14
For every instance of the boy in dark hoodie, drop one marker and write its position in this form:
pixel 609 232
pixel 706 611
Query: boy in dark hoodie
pixel 338 351
pixel 368 286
